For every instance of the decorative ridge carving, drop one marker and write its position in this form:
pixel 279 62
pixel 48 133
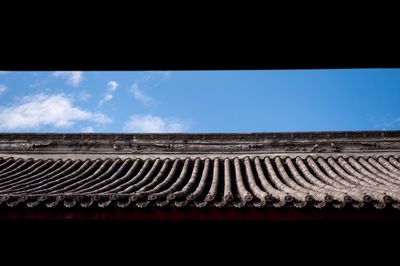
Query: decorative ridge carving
pixel 308 142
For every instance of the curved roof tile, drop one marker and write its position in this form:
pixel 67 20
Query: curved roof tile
pixel 231 182
pixel 317 169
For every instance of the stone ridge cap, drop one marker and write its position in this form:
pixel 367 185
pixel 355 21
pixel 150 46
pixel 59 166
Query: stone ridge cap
pixel 211 143
pixel 342 134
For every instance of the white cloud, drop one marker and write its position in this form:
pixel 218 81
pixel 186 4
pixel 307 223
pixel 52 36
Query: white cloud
pixel 84 96
pixel 4 72
pixel 3 88
pixel 156 74
pixel 74 78
pixel 386 122
pixel 87 130
pixel 111 87
pixel 140 96
pixel 45 110
pixel 108 97
pixel 38 83
pixel 166 74
pixel 153 124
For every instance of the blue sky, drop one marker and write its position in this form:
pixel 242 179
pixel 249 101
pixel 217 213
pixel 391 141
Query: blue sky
pixel 199 101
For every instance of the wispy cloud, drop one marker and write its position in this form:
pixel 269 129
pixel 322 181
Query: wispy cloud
pixel 4 72
pixel 84 96
pixel 158 74
pixel 39 83
pixel 87 130
pixel 112 85
pixel 154 124
pixel 151 80
pixel 166 74
pixel 74 78
pixel 140 96
pixel 3 88
pixel 111 88
pixel 392 124
pixel 40 110
pixel 386 122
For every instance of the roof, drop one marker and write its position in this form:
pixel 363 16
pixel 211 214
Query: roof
pixel 253 170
